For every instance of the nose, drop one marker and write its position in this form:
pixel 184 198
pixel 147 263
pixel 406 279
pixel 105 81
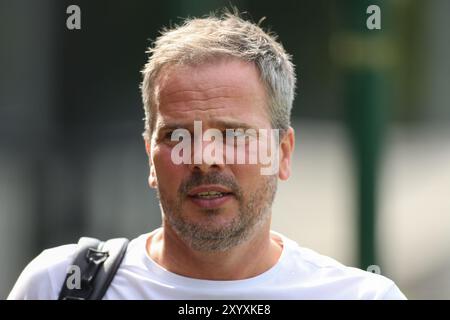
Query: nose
pixel 207 155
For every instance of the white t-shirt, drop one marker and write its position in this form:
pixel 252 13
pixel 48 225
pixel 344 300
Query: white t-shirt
pixel 300 273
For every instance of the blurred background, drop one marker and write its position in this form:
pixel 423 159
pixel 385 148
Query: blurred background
pixel 371 176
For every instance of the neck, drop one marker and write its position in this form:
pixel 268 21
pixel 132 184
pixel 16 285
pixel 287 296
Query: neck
pixel 249 259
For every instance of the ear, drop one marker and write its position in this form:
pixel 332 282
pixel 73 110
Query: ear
pixel 152 181
pixel 286 152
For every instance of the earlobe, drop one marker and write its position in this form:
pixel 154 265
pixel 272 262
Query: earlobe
pixel 147 148
pixel 284 173
pixel 286 153
pixel 152 181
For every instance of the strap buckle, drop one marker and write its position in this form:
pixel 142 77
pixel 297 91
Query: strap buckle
pixel 95 259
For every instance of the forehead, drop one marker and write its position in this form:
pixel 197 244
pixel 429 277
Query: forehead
pixel 226 88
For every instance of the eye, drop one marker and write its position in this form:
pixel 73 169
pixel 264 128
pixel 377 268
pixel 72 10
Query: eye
pixel 174 136
pixel 167 135
pixel 234 133
pixel 237 137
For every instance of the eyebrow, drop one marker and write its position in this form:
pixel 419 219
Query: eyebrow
pixel 227 124
pixel 232 124
pixel 171 126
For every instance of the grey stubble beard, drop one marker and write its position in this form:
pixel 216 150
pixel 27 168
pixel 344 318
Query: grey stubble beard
pixel 253 214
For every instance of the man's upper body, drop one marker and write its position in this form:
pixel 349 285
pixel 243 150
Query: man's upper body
pixel 225 88
pixel 299 273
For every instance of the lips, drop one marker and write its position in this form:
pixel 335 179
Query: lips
pixel 211 196
pixel 209 192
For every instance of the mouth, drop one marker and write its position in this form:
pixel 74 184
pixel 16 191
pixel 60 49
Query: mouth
pixel 207 195
pixel 211 196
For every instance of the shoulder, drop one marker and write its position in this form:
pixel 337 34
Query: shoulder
pixel 337 280
pixel 42 278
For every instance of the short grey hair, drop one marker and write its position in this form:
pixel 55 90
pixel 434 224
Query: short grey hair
pixel 198 40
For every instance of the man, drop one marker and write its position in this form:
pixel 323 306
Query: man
pixel 224 74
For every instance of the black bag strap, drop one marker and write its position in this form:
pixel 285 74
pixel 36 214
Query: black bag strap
pixel 97 263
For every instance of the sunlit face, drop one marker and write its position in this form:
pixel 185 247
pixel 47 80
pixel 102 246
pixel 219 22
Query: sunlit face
pixel 216 206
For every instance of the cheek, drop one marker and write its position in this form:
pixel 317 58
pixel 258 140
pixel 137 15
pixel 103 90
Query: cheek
pixel 168 174
pixel 248 176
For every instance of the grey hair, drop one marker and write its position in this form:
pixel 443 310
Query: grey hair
pixel 198 40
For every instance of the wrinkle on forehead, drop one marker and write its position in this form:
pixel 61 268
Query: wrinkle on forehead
pixel 193 91
pixel 218 92
pixel 227 74
pixel 231 86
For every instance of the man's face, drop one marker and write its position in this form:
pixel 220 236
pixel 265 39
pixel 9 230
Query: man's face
pixel 223 94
